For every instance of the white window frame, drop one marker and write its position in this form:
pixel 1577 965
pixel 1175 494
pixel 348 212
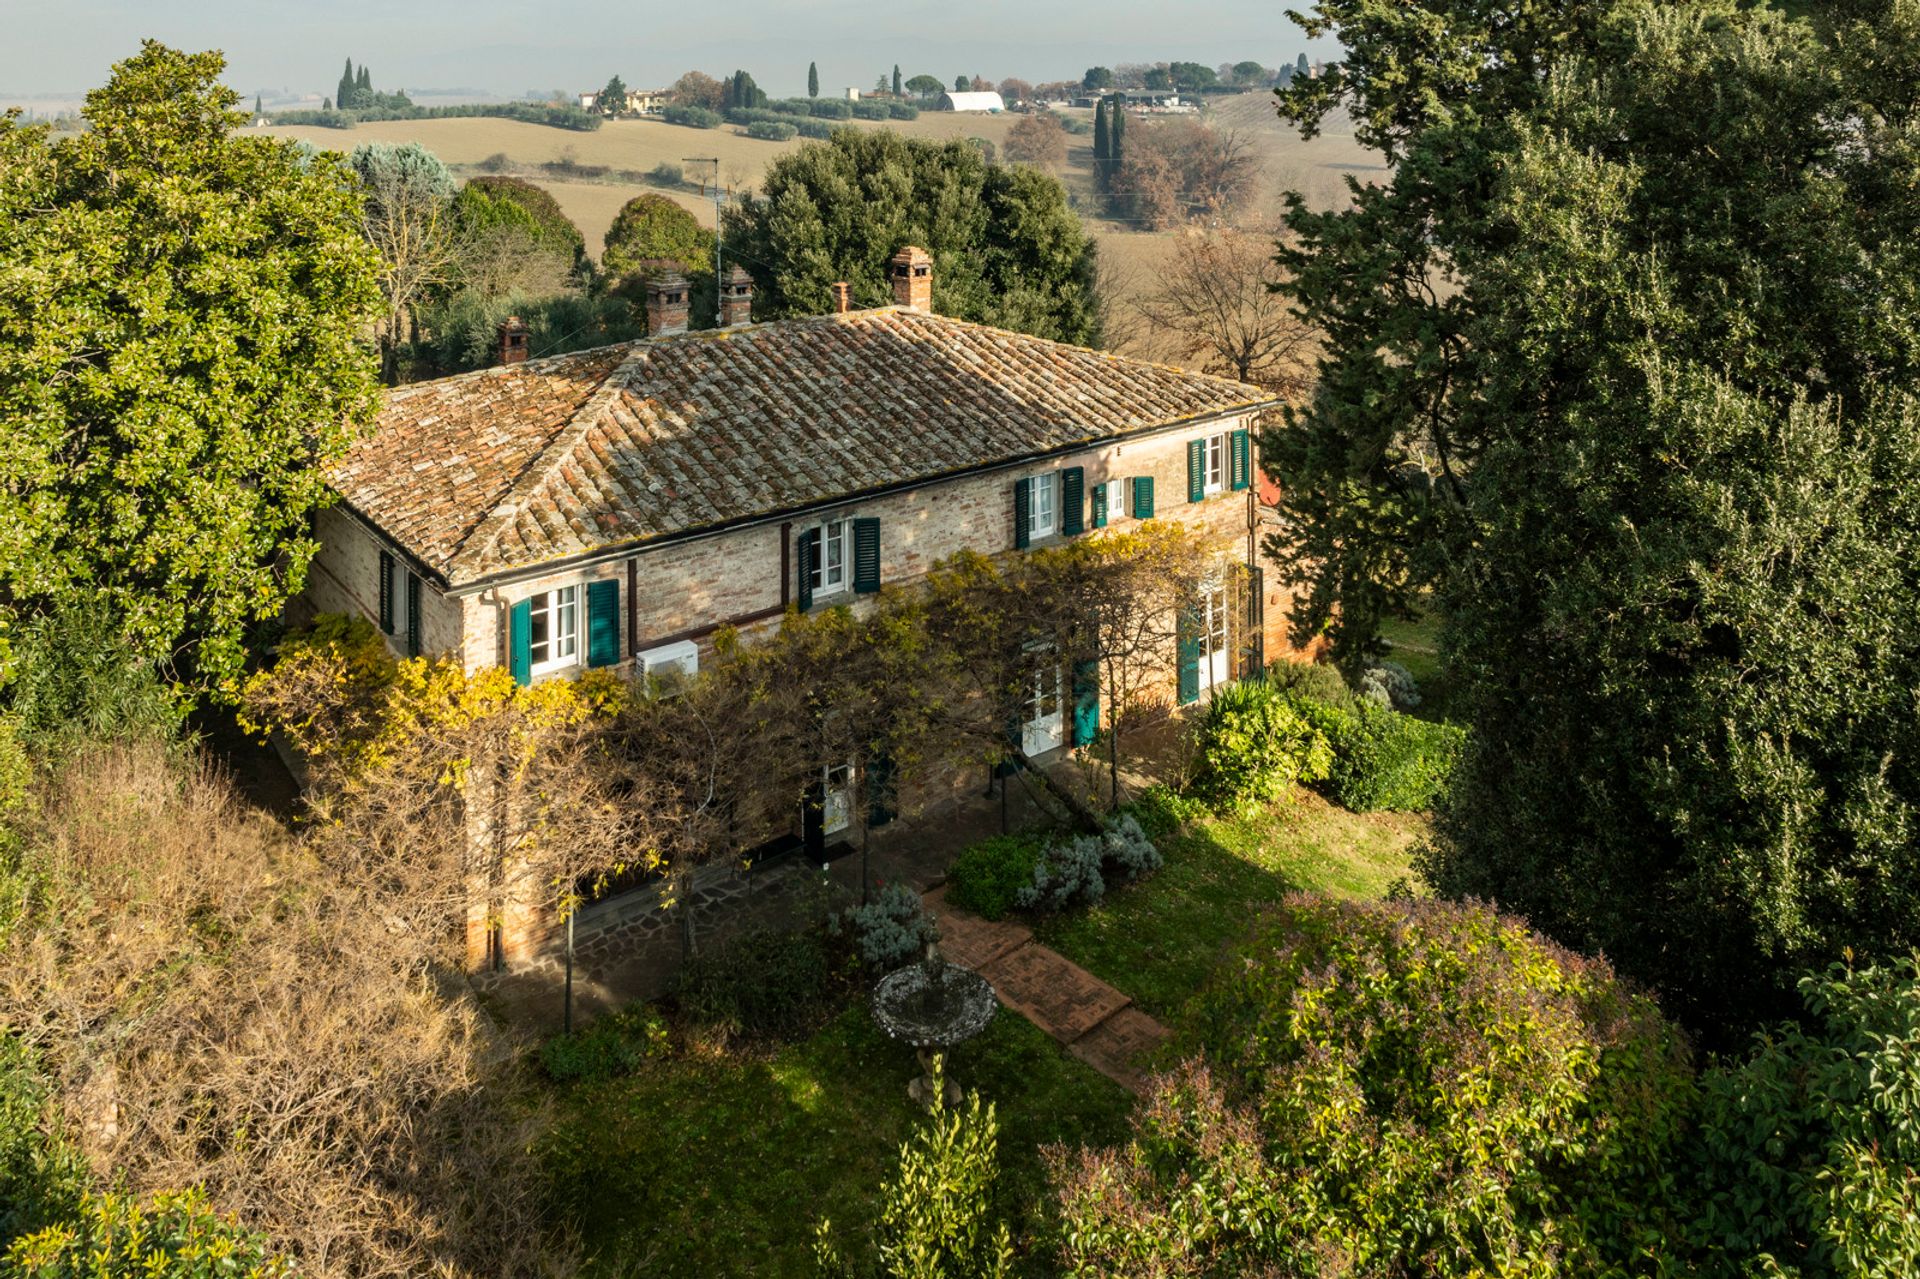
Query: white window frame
pixel 1039 487
pixel 1214 465
pixel 1116 501
pixel 832 569
pixel 557 606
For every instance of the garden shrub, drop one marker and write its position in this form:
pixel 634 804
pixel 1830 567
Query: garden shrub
pixel 1160 811
pixel 613 1045
pixel 667 174
pixel 864 110
pixel 1396 1088
pixel 178 1236
pixel 1252 744
pixel 770 131
pixel 1809 1152
pixel 43 1176
pixel 815 129
pixel 1383 759
pixel 1067 874
pixel 1316 680
pixel 891 929
pixel 1389 684
pixel 1132 854
pixel 692 117
pixel 830 109
pixel 761 983
pixel 986 877
pixel 903 111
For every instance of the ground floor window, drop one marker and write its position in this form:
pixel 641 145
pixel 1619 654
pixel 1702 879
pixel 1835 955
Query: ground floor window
pixel 830 556
pixel 554 633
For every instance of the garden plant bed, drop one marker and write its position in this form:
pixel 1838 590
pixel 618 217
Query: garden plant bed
pixel 719 1161
pixel 1158 939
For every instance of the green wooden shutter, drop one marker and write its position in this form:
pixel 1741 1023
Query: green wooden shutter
pixel 1100 506
pixel 1022 512
pixel 1073 500
pixel 1196 470
pixel 883 787
pixel 413 615
pixel 866 556
pixel 1188 632
pixel 1242 460
pixel 520 641
pixel 1143 497
pixel 603 622
pixel 1086 701
pixel 807 553
pixel 386 592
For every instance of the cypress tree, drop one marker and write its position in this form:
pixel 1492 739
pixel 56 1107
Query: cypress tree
pixel 896 79
pixel 813 79
pixel 344 94
pixel 256 106
pixel 1303 68
pixel 1102 144
pixel 326 104
pixel 1117 135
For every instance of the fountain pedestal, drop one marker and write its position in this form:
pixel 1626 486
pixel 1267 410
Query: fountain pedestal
pixel 933 1006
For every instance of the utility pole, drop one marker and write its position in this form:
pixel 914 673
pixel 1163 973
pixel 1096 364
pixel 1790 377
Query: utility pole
pixel 718 286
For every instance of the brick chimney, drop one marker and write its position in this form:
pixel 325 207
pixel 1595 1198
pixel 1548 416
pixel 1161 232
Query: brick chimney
pixel 842 297
pixel 513 341
pixel 911 270
pixel 736 298
pixel 666 304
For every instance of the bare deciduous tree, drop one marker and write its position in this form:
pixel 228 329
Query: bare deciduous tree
pixel 1038 140
pixel 1216 304
pixel 1179 169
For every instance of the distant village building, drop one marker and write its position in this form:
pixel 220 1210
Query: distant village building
pixel 639 102
pixel 971 102
pixel 853 94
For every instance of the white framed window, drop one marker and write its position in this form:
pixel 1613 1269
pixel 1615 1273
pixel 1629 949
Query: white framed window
pixel 836 798
pixel 1042 508
pixel 832 557
pixel 554 637
pixel 1215 476
pixel 1116 501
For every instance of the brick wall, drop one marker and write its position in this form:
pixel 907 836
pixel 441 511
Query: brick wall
pixel 345 578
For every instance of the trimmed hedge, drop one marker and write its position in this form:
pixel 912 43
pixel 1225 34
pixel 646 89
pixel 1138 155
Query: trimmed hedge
pixel 988 877
pixel 1381 758
pixel 1252 744
pixel 692 117
pixel 767 131
pixel 815 129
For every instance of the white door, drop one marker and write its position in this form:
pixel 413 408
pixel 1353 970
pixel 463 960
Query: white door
pixel 1046 712
pixel 1215 668
pixel 836 802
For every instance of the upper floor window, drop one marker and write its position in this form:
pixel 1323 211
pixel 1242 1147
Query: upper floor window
pixel 1216 465
pixel 554 632
pixel 830 557
pixel 1043 508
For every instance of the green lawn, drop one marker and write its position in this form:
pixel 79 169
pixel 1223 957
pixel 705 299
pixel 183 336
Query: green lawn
pixel 720 1163
pixel 1157 940
pixel 1416 646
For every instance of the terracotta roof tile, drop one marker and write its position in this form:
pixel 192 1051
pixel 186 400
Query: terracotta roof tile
pixel 515 467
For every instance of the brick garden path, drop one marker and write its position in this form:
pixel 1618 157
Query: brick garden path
pixel 1095 1022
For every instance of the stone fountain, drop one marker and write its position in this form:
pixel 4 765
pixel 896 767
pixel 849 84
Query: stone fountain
pixel 934 1006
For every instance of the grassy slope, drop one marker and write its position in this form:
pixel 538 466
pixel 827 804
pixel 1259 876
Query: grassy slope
pixel 720 1164
pixel 1158 940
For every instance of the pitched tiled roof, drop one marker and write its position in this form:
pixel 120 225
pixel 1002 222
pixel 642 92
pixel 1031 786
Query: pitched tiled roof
pixel 514 467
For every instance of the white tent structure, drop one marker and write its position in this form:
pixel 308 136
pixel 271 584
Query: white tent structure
pixel 971 102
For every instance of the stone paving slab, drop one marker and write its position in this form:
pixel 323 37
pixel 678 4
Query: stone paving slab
pixel 1059 996
pixel 1120 1046
pixel 970 941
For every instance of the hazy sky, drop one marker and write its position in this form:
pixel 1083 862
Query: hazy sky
pixel 509 46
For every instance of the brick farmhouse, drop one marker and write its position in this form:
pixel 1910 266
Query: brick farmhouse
pixel 617 507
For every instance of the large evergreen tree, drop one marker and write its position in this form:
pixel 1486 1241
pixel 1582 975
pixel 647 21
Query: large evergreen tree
pixel 343 96
pixel 1622 364
pixel 184 355
pixel 813 79
pixel 896 79
pixel 1102 145
pixel 1007 248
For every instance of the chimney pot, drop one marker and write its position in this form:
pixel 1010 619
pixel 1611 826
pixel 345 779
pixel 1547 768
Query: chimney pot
pixel 513 340
pixel 736 298
pixel 911 270
pixel 842 297
pixel 667 304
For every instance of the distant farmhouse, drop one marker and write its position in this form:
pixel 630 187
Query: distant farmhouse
pixel 971 102
pixel 639 102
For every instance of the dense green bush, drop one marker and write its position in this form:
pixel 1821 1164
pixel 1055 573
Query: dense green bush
pixel 761 983
pixel 864 110
pixel 830 109
pixel 1161 811
pixel 43 1177
pixel 613 1045
pixel 1396 1088
pixel 815 129
pixel 1252 744
pixel 114 1237
pixel 770 131
pixel 1320 681
pixel 890 930
pixel 1809 1151
pixel 692 117
pixel 556 116
pixel 1383 759
pixel 667 174
pixel 464 332
pixel 903 111
pixel 489 202
pixel 987 877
